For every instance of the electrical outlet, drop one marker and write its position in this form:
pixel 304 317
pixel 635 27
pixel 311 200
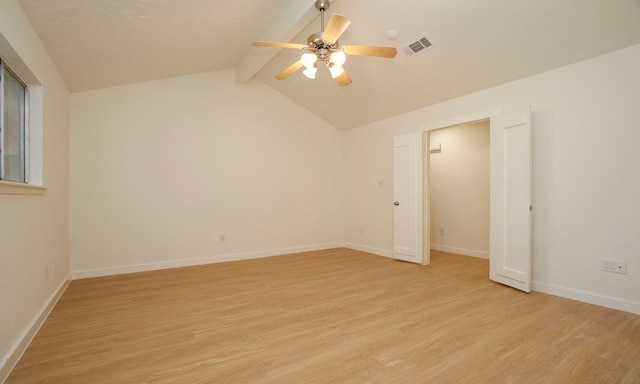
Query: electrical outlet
pixel 620 267
pixel 615 266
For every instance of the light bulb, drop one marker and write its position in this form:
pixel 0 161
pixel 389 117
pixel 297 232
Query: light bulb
pixel 335 71
pixel 308 59
pixel 310 72
pixel 338 58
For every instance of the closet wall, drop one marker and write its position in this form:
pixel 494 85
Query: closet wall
pixel 459 189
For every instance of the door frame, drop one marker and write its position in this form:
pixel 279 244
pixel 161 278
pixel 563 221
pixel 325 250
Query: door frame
pixel 425 128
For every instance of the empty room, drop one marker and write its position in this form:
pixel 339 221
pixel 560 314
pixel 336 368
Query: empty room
pixel 262 191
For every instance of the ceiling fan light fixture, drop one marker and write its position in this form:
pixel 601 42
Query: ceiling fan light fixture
pixel 335 71
pixel 338 58
pixel 310 72
pixel 309 59
pixel 323 47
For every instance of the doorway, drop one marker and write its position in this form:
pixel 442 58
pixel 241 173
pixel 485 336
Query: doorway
pixel 510 195
pixel 457 161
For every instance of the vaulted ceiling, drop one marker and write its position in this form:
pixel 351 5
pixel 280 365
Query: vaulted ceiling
pixel 476 45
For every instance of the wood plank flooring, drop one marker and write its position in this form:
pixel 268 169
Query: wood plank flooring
pixel 336 316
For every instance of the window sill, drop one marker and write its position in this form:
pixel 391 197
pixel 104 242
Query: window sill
pixel 10 188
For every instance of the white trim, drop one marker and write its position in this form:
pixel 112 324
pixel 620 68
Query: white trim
pixel 367 249
pixel 426 214
pixel 36 140
pixel 460 251
pixel 110 271
pixel 588 297
pixel 21 345
pixel 34 117
pixel 11 188
pixel 483 115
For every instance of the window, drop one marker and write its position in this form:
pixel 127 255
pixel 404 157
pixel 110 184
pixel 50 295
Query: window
pixel 13 141
pixel 21 125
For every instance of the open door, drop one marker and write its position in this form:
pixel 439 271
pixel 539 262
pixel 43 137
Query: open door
pixel 407 195
pixel 511 168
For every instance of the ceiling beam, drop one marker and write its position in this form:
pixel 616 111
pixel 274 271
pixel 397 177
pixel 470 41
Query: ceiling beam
pixel 287 26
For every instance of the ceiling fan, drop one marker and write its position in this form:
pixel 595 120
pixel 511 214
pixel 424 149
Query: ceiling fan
pixel 324 47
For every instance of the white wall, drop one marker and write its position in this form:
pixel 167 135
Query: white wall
pixel 34 229
pixel 160 170
pixel 459 189
pixel 585 182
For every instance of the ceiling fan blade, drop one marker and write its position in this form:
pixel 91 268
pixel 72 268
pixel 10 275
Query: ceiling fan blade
pixel 364 50
pixel 335 27
pixel 290 70
pixel 278 45
pixel 344 79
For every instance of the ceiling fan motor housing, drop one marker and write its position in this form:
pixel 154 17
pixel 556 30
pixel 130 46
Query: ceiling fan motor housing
pixel 315 40
pixel 316 43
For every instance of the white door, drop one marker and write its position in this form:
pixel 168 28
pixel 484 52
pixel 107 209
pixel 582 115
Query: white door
pixel 510 253
pixel 407 196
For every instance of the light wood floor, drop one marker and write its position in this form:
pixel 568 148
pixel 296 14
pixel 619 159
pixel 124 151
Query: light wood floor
pixel 337 316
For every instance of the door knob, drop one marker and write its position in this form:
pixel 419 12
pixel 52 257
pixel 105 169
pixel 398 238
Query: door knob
pixel 396 203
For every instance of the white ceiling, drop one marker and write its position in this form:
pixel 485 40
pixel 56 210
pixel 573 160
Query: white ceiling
pixel 476 45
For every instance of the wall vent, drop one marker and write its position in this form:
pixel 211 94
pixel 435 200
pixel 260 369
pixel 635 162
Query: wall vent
pixel 416 46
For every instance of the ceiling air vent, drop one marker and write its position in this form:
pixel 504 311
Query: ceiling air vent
pixel 414 47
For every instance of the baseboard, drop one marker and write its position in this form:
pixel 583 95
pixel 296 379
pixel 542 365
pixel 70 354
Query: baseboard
pixel 460 251
pixel 18 349
pixel 364 248
pixel 567 293
pixel 588 297
pixel 87 273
